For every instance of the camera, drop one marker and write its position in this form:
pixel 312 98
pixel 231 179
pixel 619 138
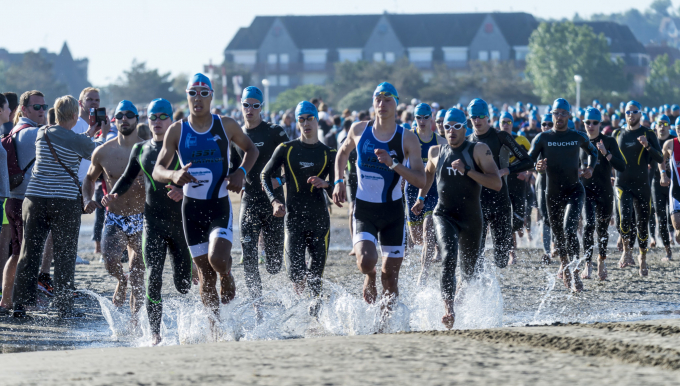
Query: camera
pixel 97 116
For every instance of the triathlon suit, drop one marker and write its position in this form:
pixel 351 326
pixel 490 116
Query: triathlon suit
pixel 163 233
pixel 412 191
pixel 517 189
pixel 256 212
pixel 206 208
pixel 379 208
pixel 457 216
pixel 351 175
pixel 307 221
pixel 564 193
pixel 674 166
pixel 660 195
pixel 496 206
pixel 599 199
pixel 543 209
pixel 632 187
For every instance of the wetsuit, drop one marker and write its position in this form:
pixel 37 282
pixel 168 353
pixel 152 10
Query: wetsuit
pixel 674 188
pixel 599 199
pixel 458 216
pixel 517 189
pixel 564 192
pixel 256 211
pixel 351 175
pixel 307 222
pixel 496 206
pixel 431 197
pixel 379 208
pixel 660 196
pixel 632 187
pixel 542 205
pixel 163 233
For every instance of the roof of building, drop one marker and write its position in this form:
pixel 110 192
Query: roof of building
pixel 622 38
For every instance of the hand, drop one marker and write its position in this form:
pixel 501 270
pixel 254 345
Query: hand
pixel 279 209
pixel 418 207
pixel 175 193
pixel 587 173
pixel 109 198
pixel 542 165
pixel 458 165
pixel 504 172
pixel 643 140
pixel 339 194
pixel 523 176
pixel 318 182
pixel 275 183
pixel 91 205
pixel 182 176
pixel 235 181
pixel 105 127
pixel 384 157
pixel 601 148
pixel 665 181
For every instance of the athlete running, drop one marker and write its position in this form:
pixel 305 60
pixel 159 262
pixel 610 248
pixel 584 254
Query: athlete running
pixel 202 143
pixel 420 225
pixel 670 165
pixel 124 217
pixel 439 121
pixel 661 193
pixel 382 147
pixel 458 215
pixel 640 147
pixel 163 232
pixel 599 194
pixel 307 163
pixel 546 125
pixel 496 206
pixel 559 150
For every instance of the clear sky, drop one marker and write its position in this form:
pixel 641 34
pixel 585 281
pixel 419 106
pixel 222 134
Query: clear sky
pixel 180 36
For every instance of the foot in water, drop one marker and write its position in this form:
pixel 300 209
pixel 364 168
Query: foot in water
pixel 669 255
pixel 601 268
pixel 546 259
pixel 642 259
pixel 227 288
pixel 513 258
pixel 156 339
pixel 626 260
pixel 578 284
pixel 619 244
pixel 370 288
pixel 449 316
pixel 652 243
pixel 119 294
pixel 352 253
pixel 588 269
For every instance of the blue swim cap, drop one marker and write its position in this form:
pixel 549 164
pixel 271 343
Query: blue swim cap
pixel 615 117
pixel 519 106
pixel 677 121
pixel 126 106
pixel 160 106
pixel 506 115
pixel 675 107
pixel 388 90
pixel 252 92
pixel 608 106
pixel 455 115
pixel 570 124
pixel 422 109
pixel 644 117
pixel 634 103
pixel 305 107
pixel 664 117
pixel 441 113
pixel 665 107
pixel 478 107
pixel 596 102
pixel 653 125
pixel 546 118
pixel 199 80
pixel 533 116
pixel 561 103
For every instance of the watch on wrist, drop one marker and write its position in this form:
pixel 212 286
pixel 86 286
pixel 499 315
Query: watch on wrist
pixel 467 169
pixel 395 162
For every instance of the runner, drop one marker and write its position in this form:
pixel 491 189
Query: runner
pixel 163 232
pixel 496 206
pixel 458 215
pixel 546 125
pixel 661 193
pixel 124 216
pixel 382 147
pixel 599 196
pixel 439 121
pixel 202 143
pixel 421 226
pixel 559 149
pixel 308 163
pixel 640 147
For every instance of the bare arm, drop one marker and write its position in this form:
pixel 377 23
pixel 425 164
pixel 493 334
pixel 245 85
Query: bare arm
pixel 339 192
pixel 163 172
pixel 667 153
pixel 415 174
pixel 93 173
pixel 430 170
pixel 250 153
pixel 489 178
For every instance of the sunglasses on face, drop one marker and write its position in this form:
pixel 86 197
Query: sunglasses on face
pixel 631 112
pixel 506 123
pixel 129 115
pixel 478 117
pixel 162 117
pixel 308 119
pixel 662 124
pixel 38 107
pixel 202 93
pixel 560 114
pixel 547 124
pixel 456 126
pixel 386 94
pixel 255 106
pixel 439 121
pixel 592 123
pixel 422 117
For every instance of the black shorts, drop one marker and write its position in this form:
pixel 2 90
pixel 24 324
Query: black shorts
pixel 205 220
pixel 381 222
pixel 351 188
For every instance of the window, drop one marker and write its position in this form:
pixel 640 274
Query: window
pixel 483 56
pixel 271 58
pixel 495 55
pixel 521 52
pixel 283 61
pixel 314 60
pixel 389 57
pixel 284 80
pixel 455 54
pixel 273 81
pixel 245 58
pixel 349 54
pixel 378 57
pixel 421 57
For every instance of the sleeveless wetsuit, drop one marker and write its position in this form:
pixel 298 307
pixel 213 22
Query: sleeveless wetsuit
pixel 431 197
pixel 660 202
pixel 517 189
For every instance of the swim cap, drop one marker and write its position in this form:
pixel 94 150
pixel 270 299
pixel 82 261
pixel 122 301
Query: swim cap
pixel 388 89
pixel 665 107
pixel 546 118
pixel 126 106
pixel 635 104
pixel 608 106
pixel 675 108
pixel 596 102
pixel 561 103
pixel 677 121
pixel 478 107
pixel 252 92
pixel 665 118
pixel 653 125
pixel 200 80
pixel 160 106
pixel 519 106
pixel 422 109
pixel 303 108
pixel 644 117
pixel 615 118
pixel 506 115
pixel 533 116
pixel 441 113
pixel 455 115
pixel 570 124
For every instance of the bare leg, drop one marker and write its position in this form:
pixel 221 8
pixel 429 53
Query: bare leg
pixel 601 268
pixel 588 269
pixel 513 256
pixel 134 248
pixel 8 281
pixel 627 256
pixel 669 254
pixel 219 256
pixel 367 258
pixel 5 238
pixel 113 242
pixel 449 316
pixel 389 277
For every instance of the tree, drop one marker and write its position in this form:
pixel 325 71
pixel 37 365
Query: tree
pixel 289 99
pixel 142 85
pixel 661 6
pixel 663 83
pixel 558 51
pixel 349 76
pixel 34 73
pixel 356 100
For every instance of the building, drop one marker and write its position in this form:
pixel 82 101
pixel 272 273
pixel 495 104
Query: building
pixel 71 72
pixel 294 50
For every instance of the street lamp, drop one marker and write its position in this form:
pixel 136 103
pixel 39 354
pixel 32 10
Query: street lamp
pixel 578 79
pixel 265 83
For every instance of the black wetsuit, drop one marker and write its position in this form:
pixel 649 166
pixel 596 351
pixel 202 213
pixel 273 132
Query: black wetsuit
pixel 163 231
pixel 496 206
pixel 517 190
pixel 457 216
pixel 632 187
pixel 256 211
pixel 599 200
pixel 307 221
pixel 564 192
pixel 660 195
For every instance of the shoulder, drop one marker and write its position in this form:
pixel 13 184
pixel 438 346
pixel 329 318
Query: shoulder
pixel 358 128
pixel 582 135
pixel 538 137
pixel 481 146
pixel 229 123
pixel 434 151
pixel 410 136
pixel 616 133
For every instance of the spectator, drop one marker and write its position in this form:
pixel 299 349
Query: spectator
pixel 13 102
pixel 4 176
pixel 51 117
pixel 346 125
pixel 178 116
pixel 54 203
pixel 331 138
pixel 289 126
pixel 143 131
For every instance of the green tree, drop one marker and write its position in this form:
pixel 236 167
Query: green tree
pixel 349 76
pixel 142 85
pixel 358 99
pixel 558 51
pixel 663 83
pixel 34 73
pixel 289 99
pixel 661 6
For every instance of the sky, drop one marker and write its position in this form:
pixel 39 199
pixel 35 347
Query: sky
pixel 181 36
